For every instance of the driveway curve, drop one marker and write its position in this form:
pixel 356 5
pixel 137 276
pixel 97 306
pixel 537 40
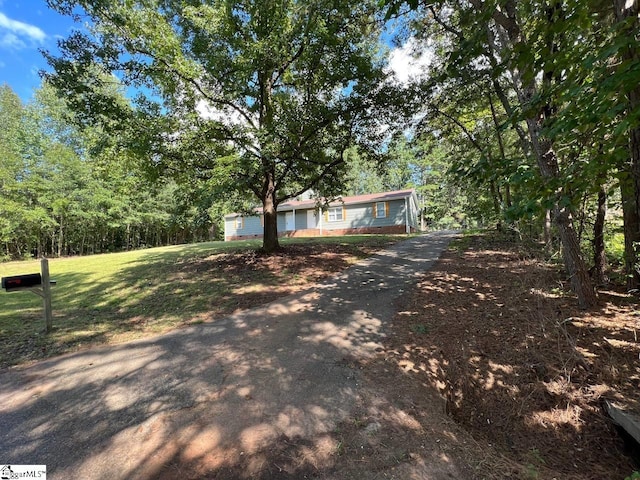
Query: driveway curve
pixel 259 394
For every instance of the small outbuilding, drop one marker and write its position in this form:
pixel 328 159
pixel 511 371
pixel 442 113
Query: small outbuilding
pixel 386 212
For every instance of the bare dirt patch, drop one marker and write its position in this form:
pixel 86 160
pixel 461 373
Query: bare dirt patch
pixel 494 331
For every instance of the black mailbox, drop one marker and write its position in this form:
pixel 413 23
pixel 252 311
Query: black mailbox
pixel 21 282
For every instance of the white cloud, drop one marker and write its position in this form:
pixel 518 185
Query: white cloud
pixel 228 116
pixel 17 34
pixel 9 40
pixel 410 62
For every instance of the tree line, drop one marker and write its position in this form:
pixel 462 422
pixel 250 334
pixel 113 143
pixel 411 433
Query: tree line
pixel 66 191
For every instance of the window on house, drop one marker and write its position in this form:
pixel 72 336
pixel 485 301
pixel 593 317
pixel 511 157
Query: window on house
pixel 381 209
pixel 335 214
pixel 239 223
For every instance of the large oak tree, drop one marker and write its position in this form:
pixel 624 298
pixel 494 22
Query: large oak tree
pixel 262 97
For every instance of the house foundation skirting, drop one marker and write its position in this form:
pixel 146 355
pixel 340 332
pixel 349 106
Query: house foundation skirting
pixel 315 232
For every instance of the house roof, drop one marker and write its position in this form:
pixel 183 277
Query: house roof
pixel 354 200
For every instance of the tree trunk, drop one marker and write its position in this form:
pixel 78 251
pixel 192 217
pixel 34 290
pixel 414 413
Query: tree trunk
pixel 524 83
pixel 599 254
pixel 582 216
pixel 60 239
pixel 631 221
pixel 626 9
pixel 503 155
pixel 270 239
pixel 495 195
pixel 547 230
pixel 269 208
pixel 576 268
pixel 634 265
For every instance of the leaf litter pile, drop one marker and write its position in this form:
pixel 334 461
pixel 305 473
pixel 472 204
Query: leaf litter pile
pixel 494 330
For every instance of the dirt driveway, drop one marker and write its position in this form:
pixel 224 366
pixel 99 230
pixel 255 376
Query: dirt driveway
pixel 274 392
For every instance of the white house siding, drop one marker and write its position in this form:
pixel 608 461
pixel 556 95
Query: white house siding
pixel 312 219
pixel 413 213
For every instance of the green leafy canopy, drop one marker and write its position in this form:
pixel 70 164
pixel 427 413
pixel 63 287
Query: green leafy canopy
pixel 263 96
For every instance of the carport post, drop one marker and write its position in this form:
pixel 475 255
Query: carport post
pixel 46 295
pixel 406 215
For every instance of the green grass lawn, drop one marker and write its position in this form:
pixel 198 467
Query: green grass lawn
pixel 115 297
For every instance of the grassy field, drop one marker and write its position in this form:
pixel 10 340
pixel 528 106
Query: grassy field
pixel 116 297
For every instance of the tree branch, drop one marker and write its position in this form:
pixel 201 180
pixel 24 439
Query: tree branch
pixel 462 127
pixel 316 180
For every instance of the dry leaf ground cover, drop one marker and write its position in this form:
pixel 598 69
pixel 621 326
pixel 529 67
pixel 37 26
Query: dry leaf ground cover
pixel 493 329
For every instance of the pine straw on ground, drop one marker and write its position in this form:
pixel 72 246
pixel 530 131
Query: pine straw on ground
pixel 495 331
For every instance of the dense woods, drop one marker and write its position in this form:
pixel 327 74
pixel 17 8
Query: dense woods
pixel 526 117
pixel 68 192
pixel 538 102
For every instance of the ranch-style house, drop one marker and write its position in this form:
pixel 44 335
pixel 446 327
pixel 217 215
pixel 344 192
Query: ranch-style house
pixel 387 212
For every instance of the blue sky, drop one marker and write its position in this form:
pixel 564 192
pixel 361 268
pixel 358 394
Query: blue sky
pixel 25 27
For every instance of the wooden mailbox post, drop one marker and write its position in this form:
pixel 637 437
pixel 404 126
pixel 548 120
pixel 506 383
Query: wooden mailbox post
pixel 38 283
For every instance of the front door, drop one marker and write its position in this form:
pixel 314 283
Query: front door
pixel 290 222
pixel 312 219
